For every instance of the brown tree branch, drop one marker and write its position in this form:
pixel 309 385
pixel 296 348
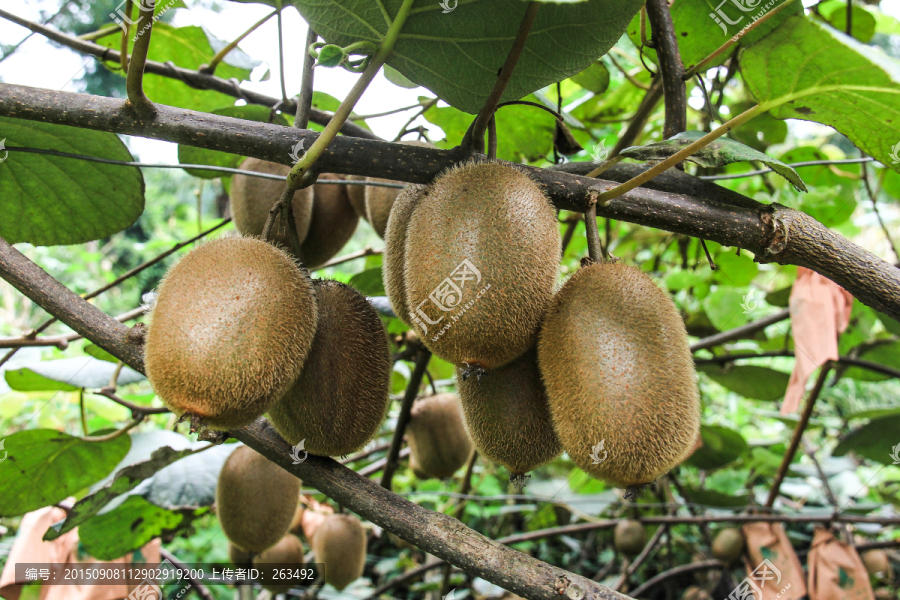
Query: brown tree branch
pixel 740 332
pixel 412 392
pixel 670 67
pixel 773 232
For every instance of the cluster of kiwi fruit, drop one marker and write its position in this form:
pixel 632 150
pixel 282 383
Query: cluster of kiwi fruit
pixel 258 509
pixel 471 264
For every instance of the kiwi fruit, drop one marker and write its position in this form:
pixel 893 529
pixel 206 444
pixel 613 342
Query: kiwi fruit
pixel 255 500
pixel 481 257
pixel 379 201
pixel 438 444
pixel 239 557
pixel 696 593
pixel 332 223
pixel 339 543
pixel 507 416
pixel 630 537
pixel 877 564
pixel 289 551
pixel 340 397
pixel 728 545
pixel 614 357
pixel 393 261
pixel 253 197
pixel 357 195
pixel 233 324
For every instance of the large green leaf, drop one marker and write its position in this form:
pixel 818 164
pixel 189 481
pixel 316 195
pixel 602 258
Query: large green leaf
pixel 50 200
pixel 717 153
pixel 191 155
pixel 807 70
pixel 884 354
pixel 720 447
pixel 188 47
pixel 714 498
pixel 44 466
pixel 368 282
pixel 729 307
pixel 68 374
pixel 750 381
pixel 876 440
pixel 457 55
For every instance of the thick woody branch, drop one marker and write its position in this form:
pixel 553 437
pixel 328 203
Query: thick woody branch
pixel 773 232
pixel 670 67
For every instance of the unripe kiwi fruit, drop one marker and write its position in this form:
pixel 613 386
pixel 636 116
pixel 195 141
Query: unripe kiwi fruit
pixel 339 543
pixel 438 444
pixel 340 397
pixel 497 218
pixel 877 564
pixel 630 537
pixel 255 500
pixel 507 416
pixel 287 551
pixel 332 223
pixel 614 358
pixel 233 324
pixel 393 261
pixel 253 197
pixel 728 545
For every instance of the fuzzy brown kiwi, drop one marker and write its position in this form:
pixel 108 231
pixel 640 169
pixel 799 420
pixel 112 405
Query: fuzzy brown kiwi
pixel 340 398
pixel 615 360
pixel 288 551
pixel 393 261
pixel 253 197
pixel 498 219
pixel 339 543
pixel 255 500
pixel 507 416
pixel 630 537
pixel 728 545
pixel 233 324
pixel 438 443
pixel 379 200
pixel 357 195
pixel 877 564
pixel 332 223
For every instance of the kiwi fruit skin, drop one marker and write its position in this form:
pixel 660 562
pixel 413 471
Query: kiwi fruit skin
pixel 438 443
pixel 630 537
pixel 393 261
pixel 877 564
pixel 340 545
pixel 340 398
pixel 507 415
pixel 287 551
pixel 233 324
pixel 357 195
pixel 728 545
pixel 255 500
pixel 252 198
pixel 498 219
pixel 614 358
pixel 379 201
pixel 332 223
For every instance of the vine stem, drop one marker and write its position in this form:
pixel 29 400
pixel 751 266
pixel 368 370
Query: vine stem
pixel 303 166
pixel 412 391
pixel 304 102
pixel 221 54
pixel 476 139
pixel 134 82
pixel 126 29
pixel 605 198
pixel 278 8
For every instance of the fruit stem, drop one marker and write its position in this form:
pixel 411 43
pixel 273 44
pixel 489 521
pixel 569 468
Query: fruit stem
pixel 126 29
pixel 134 82
pixel 476 139
pixel 210 69
pixel 303 166
pixel 596 251
pixel 685 152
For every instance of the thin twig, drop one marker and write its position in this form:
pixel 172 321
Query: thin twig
pixel 366 453
pixel 422 111
pixel 134 81
pixel 639 560
pixel 798 434
pixel 704 565
pixel 412 391
pixel 367 251
pixel 210 69
pixel 278 11
pixel 476 140
pixel 195 584
pixel 135 409
pixel 742 331
pixel 571 225
pixel 115 434
pixel 670 67
pixel 125 24
pixel 807 163
pixel 873 196
pixel 304 101
pixel 628 76
pixel 379 464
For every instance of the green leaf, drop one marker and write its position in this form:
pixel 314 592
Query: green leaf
pixel 191 155
pixel 735 270
pixel 187 47
pixel 876 440
pixel 727 307
pixel 368 282
pixel 67 374
pixel 397 78
pixel 99 353
pixel 720 447
pixel 874 413
pixel 330 56
pixel 750 381
pixel 863 22
pixel 594 79
pixel 717 153
pixel 780 297
pixel 884 354
pixel 828 206
pixel 806 70
pixel 457 55
pixel 891 325
pixel 50 200
pixel 715 499
pixel 44 466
